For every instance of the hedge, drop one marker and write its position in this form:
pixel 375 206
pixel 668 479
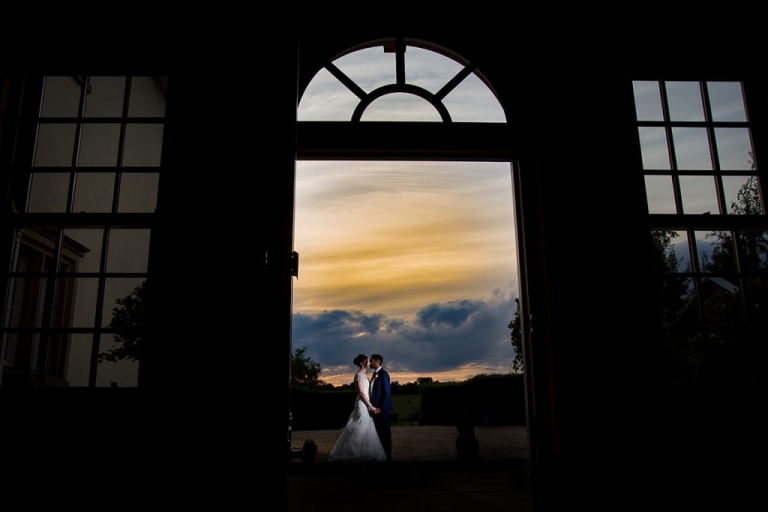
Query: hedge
pixel 491 400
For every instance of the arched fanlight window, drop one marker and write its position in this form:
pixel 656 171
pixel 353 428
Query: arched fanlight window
pixel 406 80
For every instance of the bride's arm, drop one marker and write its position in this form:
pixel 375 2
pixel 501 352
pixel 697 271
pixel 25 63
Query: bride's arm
pixel 361 390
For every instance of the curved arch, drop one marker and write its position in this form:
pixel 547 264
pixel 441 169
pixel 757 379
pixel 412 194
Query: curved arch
pixel 401 88
pixel 420 79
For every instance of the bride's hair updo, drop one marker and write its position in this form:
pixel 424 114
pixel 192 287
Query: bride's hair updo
pixel 359 359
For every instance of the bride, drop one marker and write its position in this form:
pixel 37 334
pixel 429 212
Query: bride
pixel 359 441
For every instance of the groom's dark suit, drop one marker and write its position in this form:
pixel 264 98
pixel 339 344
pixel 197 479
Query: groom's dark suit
pixel 382 398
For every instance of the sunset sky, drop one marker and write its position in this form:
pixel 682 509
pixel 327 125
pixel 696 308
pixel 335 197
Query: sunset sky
pixel 413 260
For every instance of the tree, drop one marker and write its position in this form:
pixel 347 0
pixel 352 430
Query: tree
pixel 680 348
pixel 128 322
pixel 305 371
pixel 423 380
pixel 517 339
pixel 724 318
pixel 754 244
pixel 674 290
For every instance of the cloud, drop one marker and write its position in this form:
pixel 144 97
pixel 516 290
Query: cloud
pixel 391 237
pixel 453 339
pixel 452 314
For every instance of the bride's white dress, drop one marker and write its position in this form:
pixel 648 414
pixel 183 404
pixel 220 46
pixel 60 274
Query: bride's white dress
pixel 358 441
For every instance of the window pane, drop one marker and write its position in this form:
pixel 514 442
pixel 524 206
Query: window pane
pixel 726 101
pixel 685 101
pixel 473 102
pixel 143 145
pixel 699 196
pixel 147 96
pixel 121 374
pixel 753 250
pixel 721 306
pixel 93 192
pixel 734 148
pixel 122 289
pixel 326 99
pixel 82 247
pixel 55 145
pixel 660 194
pixel 106 96
pixel 82 299
pixel 58 355
pixel 138 192
pixel 653 144
pixel 715 250
pixel 692 148
pixel 128 250
pixel 678 252
pixel 400 107
pixel 369 68
pixel 742 195
pixel 61 97
pixel 34 248
pixel 123 346
pixel 429 70
pixel 98 145
pixel 23 355
pixel 48 192
pixel 648 101
pixel 28 294
pixel 63 313
pixel 682 249
pixel 79 364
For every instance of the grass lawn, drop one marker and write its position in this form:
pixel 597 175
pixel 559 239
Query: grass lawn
pixel 407 408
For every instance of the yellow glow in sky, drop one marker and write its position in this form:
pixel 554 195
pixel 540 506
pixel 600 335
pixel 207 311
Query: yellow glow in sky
pixel 388 239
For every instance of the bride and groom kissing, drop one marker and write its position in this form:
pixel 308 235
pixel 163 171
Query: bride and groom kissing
pixel 367 436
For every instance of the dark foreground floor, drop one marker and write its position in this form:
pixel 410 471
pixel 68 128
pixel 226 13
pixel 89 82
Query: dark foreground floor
pixel 434 486
pixel 425 475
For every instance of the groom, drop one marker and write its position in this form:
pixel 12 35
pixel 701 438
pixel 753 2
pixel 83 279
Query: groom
pixel 381 399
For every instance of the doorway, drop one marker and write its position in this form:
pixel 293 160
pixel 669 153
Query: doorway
pixel 365 116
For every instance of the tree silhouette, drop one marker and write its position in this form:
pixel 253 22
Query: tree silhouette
pixel 517 339
pixel 724 314
pixel 753 244
pixel 423 380
pixel 305 371
pixel 675 292
pixel 128 322
pixel 681 346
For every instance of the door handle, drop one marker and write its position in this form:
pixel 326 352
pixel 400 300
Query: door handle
pixel 295 264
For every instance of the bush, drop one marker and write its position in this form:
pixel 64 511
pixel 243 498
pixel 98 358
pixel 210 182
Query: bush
pixel 320 409
pixel 488 400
